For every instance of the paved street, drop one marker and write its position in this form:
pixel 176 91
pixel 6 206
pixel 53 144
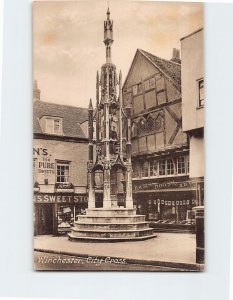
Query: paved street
pixel 174 248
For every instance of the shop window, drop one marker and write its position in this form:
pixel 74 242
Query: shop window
pixel 162 167
pixel 181 165
pixel 201 93
pixel 170 166
pixel 63 172
pixel 53 126
pixel 145 169
pixel 67 215
pixel 154 168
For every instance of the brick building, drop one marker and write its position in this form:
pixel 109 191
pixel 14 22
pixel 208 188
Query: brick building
pixel 60 161
pixel 160 150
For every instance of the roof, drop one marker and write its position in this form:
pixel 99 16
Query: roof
pixel 192 33
pixel 170 69
pixel 71 116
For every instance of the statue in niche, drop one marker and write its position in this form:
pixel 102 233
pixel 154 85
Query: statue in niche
pixel 113 125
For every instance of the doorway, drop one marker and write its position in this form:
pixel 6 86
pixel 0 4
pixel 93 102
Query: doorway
pixel 44 219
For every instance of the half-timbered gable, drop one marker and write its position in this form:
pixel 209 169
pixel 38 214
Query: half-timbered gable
pixel 152 87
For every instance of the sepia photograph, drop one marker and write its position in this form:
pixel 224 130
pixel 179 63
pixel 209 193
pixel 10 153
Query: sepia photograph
pixel 118 136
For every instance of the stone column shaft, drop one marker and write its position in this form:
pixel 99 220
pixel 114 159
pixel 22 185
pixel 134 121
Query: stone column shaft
pixel 129 188
pixel 91 190
pixel 120 115
pixel 107 195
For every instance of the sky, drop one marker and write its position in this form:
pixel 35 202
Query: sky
pixel 68 46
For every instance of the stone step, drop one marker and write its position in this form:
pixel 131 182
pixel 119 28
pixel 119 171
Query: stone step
pixel 111 230
pixel 115 219
pixel 111 233
pixel 111 239
pixel 111 226
pixel 111 212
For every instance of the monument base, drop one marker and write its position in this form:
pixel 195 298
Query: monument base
pixel 111 225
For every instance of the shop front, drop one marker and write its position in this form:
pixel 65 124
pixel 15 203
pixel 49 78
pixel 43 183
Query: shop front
pixel 165 200
pixel 55 214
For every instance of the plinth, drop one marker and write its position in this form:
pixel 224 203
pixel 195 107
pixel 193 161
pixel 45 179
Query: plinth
pixel 111 225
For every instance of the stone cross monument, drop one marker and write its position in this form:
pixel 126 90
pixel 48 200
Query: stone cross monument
pixel 110 222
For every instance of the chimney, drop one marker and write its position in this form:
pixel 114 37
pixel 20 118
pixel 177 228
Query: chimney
pixel 36 91
pixel 176 56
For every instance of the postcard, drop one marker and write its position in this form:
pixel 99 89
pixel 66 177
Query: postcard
pixel 118 145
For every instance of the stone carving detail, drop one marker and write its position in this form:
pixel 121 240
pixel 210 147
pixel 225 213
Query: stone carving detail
pixel 89 167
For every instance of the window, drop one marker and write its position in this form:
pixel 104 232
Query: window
pixel 153 168
pixel 145 169
pixel 162 167
pixel 170 167
pixel 181 165
pixel 137 89
pixel 147 85
pixel 63 172
pixel 136 170
pixel 201 93
pixel 150 124
pixel 187 164
pixel 142 126
pixel 53 126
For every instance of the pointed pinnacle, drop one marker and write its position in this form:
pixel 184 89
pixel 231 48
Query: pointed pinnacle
pixel 90 107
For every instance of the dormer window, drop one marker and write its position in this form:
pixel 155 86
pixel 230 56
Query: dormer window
pixel 53 126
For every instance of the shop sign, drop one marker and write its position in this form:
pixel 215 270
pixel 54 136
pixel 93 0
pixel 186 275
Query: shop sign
pixel 45 164
pixel 172 203
pixel 140 186
pixel 52 198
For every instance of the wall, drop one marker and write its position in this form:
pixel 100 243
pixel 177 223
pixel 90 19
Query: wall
pixel 48 151
pixel 192 69
pixel 196 168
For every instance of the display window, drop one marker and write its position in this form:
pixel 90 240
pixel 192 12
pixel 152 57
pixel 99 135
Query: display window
pixel 67 215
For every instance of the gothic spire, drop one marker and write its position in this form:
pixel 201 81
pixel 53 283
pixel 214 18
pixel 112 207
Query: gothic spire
pixel 90 107
pixel 108 36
